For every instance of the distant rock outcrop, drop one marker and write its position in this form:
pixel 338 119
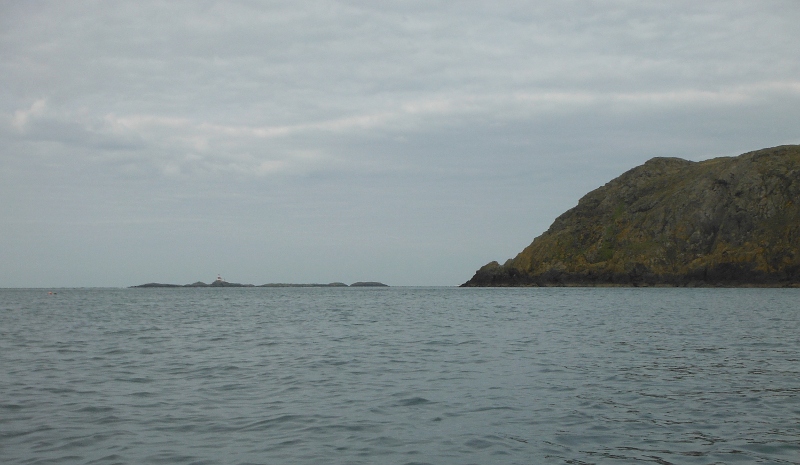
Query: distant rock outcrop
pixel 337 284
pixel 217 283
pixel 222 283
pixel 721 222
pixel 161 285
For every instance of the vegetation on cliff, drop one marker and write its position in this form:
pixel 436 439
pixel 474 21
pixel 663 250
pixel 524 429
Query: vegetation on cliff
pixel 731 221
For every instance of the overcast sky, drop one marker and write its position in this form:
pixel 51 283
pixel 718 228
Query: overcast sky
pixel 408 142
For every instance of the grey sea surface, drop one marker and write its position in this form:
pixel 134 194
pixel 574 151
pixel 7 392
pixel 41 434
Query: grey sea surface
pixel 399 376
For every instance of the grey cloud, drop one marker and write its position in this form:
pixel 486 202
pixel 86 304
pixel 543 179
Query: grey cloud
pixel 386 133
pixel 76 134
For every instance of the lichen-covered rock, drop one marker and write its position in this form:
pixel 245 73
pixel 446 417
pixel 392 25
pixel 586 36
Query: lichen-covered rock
pixel 726 221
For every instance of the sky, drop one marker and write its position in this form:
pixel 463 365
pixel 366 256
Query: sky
pixel 408 142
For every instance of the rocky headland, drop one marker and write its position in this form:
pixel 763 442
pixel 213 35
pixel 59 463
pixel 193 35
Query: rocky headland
pixel 731 221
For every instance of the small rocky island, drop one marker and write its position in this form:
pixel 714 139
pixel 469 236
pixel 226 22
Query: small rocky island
pixel 732 221
pixel 219 282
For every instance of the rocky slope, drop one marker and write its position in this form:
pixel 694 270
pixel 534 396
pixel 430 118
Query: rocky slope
pixel 732 221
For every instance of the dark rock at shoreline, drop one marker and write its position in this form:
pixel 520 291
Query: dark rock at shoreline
pixel 368 284
pixel 731 221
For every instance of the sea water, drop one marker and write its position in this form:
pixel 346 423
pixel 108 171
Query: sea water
pixel 399 376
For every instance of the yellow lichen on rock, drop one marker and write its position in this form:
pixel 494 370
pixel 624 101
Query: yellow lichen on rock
pixel 726 221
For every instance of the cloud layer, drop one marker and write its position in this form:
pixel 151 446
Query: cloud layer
pixel 408 141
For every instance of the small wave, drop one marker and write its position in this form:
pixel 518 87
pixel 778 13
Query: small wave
pixel 413 401
pixel 15 434
pixel 479 444
pixel 95 409
pixel 273 422
pixel 108 420
pixel 503 407
pixel 324 430
pixel 108 460
pixel 138 380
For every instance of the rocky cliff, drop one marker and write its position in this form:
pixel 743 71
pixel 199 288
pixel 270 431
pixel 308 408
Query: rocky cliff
pixel 732 221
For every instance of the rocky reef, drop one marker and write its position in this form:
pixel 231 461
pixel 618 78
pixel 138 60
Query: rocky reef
pixel 217 283
pixel 732 221
pixel 223 283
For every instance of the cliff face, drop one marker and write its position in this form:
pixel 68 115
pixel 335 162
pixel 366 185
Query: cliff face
pixel 726 221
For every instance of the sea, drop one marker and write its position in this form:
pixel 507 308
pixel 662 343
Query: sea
pixel 400 375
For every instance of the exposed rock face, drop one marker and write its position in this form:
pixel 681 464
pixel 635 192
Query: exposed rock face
pixel 726 221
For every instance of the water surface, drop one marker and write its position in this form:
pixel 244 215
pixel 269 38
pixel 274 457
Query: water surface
pixel 399 376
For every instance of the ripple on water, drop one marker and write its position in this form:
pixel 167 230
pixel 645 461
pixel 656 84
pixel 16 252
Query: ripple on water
pixel 400 376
